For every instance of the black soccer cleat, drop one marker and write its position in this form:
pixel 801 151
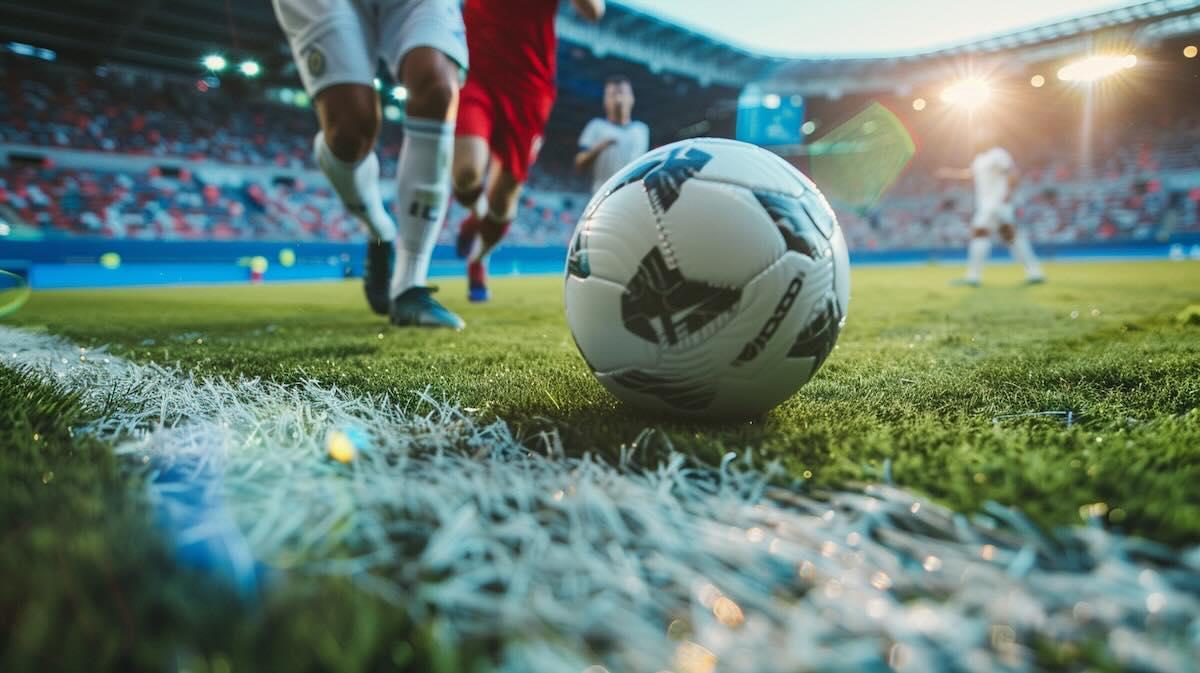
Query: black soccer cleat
pixel 416 307
pixel 377 275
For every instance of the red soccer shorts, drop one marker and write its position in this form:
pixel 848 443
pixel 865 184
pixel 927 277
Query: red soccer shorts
pixel 511 121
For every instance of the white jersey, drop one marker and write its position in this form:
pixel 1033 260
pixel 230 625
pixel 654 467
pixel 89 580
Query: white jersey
pixel 632 141
pixel 342 41
pixel 991 170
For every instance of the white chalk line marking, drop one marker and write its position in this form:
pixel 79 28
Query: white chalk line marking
pixel 674 567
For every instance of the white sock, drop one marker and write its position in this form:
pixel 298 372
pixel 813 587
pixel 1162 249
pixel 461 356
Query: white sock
pixel 1022 251
pixel 358 187
pixel 423 179
pixel 977 253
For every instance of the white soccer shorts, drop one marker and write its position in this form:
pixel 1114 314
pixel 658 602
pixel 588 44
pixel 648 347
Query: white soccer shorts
pixel 992 217
pixel 342 41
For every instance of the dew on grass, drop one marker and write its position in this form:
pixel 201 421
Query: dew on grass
pixel 647 561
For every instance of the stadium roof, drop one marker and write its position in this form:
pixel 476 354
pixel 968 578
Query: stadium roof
pixel 174 35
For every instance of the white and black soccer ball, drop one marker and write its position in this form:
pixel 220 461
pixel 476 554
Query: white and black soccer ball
pixel 707 278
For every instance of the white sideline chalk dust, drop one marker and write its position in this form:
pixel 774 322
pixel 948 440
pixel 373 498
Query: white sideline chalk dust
pixel 573 562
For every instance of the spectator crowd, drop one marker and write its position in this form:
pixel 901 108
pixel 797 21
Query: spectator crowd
pixel 1144 184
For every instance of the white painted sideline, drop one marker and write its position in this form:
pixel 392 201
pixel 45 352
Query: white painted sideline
pixel 676 567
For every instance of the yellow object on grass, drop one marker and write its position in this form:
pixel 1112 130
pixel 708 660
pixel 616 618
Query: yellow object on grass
pixel 340 446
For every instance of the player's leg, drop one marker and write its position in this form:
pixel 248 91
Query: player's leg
pixel 1022 249
pixel 424 43
pixel 979 247
pixel 516 142
pixel 471 144
pixel 471 156
pixel 343 150
pixel 503 192
pixel 335 57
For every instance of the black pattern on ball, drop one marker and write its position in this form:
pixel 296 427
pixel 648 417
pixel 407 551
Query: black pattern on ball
pixel 685 395
pixel 753 348
pixel 664 183
pixel 659 294
pixel 796 224
pixel 633 173
pixel 816 340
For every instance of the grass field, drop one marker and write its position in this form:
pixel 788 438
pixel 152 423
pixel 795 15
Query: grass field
pixel 930 386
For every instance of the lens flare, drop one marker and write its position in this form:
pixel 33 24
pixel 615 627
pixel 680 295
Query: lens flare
pixel 1097 67
pixel 970 93
pixel 214 62
pixel 14 292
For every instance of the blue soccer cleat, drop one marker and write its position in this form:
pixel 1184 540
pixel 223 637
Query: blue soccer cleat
pixel 376 275
pixel 477 290
pixel 416 307
pixel 478 294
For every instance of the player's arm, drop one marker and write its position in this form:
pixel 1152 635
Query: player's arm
pixel 587 155
pixel 590 146
pixel 592 10
pixel 954 173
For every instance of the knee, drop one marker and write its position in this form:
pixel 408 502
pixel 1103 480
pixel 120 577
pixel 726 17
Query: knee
pixel 433 90
pixel 467 178
pixel 981 232
pixel 1007 232
pixel 351 128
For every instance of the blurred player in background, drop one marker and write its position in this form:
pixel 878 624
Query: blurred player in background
pixel 505 105
pixel 608 143
pixel 337 45
pixel 995 175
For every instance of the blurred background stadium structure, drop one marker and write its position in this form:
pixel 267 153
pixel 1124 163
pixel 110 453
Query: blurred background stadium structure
pixel 148 127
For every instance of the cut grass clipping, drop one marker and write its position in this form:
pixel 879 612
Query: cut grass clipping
pixel 508 543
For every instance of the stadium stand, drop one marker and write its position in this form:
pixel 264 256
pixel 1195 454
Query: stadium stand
pixel 230 162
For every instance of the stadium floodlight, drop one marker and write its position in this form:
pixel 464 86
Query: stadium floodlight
pixel 1190 51
pixel 392 113
pixel 808 127
pixel 250 68
pixel 969 93
pixel 214 62
pixel 771 101
pixel 919 104
pixel 1037 81
pixel 1094 68
pixel 399 93
pixel 378 85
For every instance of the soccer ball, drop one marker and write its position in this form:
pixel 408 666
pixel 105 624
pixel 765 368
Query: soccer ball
pixel 707 278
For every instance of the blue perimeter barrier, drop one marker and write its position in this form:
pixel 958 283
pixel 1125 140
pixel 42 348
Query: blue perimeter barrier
pixel 75 262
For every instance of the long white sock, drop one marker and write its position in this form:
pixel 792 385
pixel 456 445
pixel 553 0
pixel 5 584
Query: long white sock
pixel 358 187
pixel 1022 250
pixel 423 179
pixel 977 253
